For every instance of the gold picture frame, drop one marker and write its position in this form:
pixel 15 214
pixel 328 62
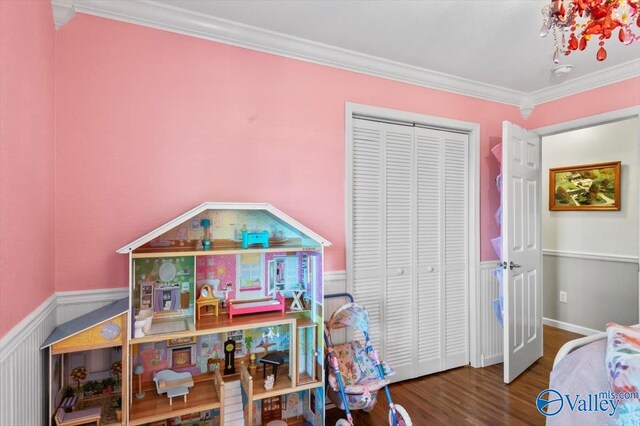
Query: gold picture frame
pixel 585 187
pixel 181 341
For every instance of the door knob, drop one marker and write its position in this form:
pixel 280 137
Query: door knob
pixel 511 265
pixel 430 269
pixel 400 271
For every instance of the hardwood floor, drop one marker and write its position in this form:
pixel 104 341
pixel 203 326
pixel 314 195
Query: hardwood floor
pixel 470 396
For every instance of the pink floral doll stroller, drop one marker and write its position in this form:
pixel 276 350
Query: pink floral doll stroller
pixel 355 371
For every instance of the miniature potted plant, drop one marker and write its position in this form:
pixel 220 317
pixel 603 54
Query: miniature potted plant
pixel 118 409
pixel 116 370
pixel 78 374
pixel 89 387
pixel 97 387
pixel 107 385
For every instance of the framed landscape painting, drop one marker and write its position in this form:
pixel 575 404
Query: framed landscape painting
pixel 585 187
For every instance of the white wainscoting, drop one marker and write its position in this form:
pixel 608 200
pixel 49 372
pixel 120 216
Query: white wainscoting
pixel 24 384
pixel 335 282
pixel 490 339
pixel 23 368
pixel 72 304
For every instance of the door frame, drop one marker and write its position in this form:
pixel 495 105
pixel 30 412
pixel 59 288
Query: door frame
pixel 591 121
pixel 473 131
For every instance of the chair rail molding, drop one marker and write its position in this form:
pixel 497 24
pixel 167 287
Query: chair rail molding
pixel 165 17
pixel 591 256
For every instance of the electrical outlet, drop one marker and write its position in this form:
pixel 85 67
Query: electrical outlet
pixel 563 296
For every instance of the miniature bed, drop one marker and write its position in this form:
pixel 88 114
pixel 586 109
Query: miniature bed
pixel 252 306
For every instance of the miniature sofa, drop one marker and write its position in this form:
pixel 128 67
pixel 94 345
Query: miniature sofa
pixel 80 417
pixel 173 384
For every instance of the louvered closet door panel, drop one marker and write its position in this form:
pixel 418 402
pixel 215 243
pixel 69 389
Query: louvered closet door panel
pixel 455 249
pixel 428 146
pixel 367 179
pixel 399 333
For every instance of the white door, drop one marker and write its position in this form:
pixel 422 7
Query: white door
pixel 521 249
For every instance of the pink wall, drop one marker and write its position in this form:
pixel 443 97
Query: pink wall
pixel 26 158
pixel 152 123
pixel 597 101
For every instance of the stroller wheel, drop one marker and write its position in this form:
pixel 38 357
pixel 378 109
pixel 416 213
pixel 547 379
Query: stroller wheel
pixel 343 422
pixel 402 416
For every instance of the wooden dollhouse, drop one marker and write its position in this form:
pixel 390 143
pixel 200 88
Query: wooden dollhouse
pixel 224 321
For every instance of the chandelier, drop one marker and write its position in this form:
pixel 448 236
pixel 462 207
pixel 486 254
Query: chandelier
pixel 573 23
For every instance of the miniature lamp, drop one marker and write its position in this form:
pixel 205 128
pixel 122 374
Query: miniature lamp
pixel 206 236
pixel 139 371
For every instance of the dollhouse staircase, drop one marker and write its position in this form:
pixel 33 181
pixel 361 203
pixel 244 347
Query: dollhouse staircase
pixel 233 410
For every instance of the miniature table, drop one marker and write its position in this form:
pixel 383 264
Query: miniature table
pixel 296 305
pixel 203 303
pixel 271 359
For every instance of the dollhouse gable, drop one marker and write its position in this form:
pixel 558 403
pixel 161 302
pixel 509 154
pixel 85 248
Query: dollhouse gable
pixel 226 223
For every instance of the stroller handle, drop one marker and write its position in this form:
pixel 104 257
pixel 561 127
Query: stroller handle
pixel 334 295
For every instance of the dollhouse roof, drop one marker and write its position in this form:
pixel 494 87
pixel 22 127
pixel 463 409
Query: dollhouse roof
pixel 86 321
pixel 263 207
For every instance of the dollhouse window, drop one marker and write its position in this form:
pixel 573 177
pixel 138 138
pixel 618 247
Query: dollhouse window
pixel 251 272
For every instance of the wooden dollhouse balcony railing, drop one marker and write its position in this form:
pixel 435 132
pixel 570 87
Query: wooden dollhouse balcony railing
pixel 223 324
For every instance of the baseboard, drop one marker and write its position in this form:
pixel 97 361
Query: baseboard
pixel 585 331
pixel 497 359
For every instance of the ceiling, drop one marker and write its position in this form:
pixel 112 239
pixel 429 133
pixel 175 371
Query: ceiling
pixel 492 41
pixel 490 49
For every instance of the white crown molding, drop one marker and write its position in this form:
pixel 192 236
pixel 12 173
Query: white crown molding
pixel 63 12
pixel 160 16
pixel 587 82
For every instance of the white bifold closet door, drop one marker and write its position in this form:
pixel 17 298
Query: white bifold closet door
pixel 409 251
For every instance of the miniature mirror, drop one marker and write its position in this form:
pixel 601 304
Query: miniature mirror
pixel 205 291
pixel 167 272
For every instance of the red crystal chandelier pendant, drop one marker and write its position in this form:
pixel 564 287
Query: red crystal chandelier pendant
pixel 573 23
